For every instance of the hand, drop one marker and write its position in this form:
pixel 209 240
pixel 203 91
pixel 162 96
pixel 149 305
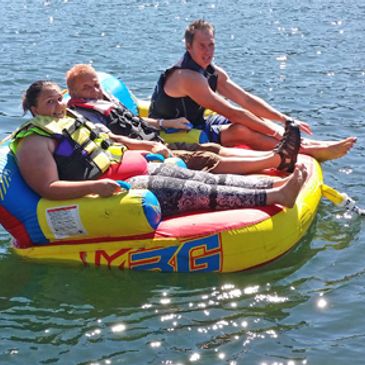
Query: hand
pixel 304 127
pixel 161 149
pixel 177 123
pixel 106 187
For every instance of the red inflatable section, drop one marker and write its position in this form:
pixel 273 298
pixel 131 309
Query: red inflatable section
pixel 15 228
pixel 206 223
pixel 133 164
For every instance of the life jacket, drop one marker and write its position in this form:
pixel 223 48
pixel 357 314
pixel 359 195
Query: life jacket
pixel 81 152
pixel 117 117
pixel 167 107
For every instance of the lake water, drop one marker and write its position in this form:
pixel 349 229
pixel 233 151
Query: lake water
pixel 305 58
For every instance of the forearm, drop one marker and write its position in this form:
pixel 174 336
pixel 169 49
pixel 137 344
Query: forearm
pixel 156 123
pixel 143 146
pixel 250 102
pixel 140 145
pixel 133 144
pixel 262 109
pixel 178 123
pixel 161 123
pixel 60 190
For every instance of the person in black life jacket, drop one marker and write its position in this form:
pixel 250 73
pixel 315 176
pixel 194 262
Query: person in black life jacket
pixel 195 84
pixel 89 99
pixel 43 145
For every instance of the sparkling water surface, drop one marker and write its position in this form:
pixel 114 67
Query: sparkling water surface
pixel 305 58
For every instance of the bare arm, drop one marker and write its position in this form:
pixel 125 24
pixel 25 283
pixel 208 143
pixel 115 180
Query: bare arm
pixel 39 170
pixel 189 83
pixel 178 123
pixel 253 103
pixel 135 144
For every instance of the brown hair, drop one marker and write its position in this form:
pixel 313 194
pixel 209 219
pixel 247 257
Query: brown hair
pixel 30 97
pixel 199 24
pixel 75 72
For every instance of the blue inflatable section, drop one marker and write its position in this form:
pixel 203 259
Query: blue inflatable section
pixel 152 209
pixel 118 88
pixel 151 205
pixel 203 138
pixel 17 198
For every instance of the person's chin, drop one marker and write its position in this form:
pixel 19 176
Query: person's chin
pixel 206 62
pixel 59 115
pixel 94 97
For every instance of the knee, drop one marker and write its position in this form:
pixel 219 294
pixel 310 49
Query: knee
pixel 235 134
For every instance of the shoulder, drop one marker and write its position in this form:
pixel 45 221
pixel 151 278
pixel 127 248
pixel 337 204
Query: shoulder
pixel 187 78
pixel 36 144
pixel 186 74
pixel 181 82
pixel 221 73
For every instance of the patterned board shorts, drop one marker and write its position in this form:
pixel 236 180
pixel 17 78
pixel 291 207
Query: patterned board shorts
pixel 213 127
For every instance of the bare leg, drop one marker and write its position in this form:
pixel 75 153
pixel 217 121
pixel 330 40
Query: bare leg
pixel 242 152
pixel 248 165
pixel 279 181
pixel 235 134
pixel 327 150
pixel 283 157
pixel 321 150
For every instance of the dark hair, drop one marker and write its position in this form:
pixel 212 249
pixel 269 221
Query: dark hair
pixel 199 24
pixel 30 97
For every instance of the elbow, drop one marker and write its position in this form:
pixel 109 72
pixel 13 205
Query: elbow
pixel 46 194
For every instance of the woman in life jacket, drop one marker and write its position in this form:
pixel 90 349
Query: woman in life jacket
pixel 38 143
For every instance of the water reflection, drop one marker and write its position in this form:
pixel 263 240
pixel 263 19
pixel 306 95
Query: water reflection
pixel 223 313
pixel 201 317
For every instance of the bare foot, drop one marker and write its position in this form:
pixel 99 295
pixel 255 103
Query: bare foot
pixel 327 150
pixel 280 181
pixel 287 193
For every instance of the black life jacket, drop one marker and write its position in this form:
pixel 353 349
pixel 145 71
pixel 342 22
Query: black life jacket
pixel 167 107
pixel 117 118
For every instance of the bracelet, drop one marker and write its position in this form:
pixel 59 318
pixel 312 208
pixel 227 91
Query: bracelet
pixel 159 121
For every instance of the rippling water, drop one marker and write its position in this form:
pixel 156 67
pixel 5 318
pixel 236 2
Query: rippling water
pixel 306 58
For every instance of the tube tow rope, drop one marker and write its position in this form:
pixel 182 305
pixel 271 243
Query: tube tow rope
pixel 341 199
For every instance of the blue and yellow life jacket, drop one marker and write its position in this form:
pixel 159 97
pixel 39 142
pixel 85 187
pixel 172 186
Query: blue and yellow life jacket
pixel 82 153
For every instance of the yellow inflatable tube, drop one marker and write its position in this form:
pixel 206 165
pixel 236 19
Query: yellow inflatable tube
pixel 224 241
pixel 191 136
pixel 94 217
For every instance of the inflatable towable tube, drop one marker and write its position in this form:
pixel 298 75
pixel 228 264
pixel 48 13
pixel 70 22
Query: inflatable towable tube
pixel 126 230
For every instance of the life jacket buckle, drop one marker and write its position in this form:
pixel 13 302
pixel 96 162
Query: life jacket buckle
pixel 105 145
